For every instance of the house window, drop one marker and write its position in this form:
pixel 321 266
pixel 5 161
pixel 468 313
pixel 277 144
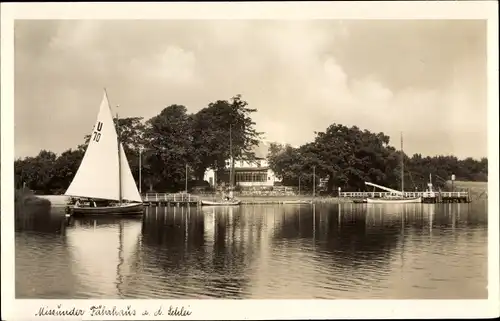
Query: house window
pixel 250 176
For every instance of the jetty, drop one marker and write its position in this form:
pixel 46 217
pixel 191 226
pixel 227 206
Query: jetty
pixel 427 197
pixel 186 199
pixel 183 199
pixel 166 199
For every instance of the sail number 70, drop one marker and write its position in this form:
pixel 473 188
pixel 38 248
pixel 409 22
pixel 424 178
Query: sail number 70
pixel 97 134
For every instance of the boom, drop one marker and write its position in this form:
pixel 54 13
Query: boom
pixel 384 188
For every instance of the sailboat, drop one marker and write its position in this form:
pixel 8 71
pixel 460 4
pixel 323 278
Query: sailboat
pixel 396 197
pixel 104 180
pixel 229 201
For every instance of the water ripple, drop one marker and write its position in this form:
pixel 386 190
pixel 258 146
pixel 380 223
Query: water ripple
pixel 261 252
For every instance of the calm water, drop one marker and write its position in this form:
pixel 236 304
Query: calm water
pixel 345 251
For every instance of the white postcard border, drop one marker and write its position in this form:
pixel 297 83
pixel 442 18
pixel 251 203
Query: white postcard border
pixel 251 309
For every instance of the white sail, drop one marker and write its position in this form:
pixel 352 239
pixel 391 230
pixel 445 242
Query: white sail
pixel 98 174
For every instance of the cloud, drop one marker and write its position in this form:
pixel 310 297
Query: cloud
pixel 173 65
pixel 426 78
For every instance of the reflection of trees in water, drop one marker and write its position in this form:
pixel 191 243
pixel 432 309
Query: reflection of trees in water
pixel 369 232
pixel 40 219
pixel 191 248
pixel 214 251
pixel 354 235
pixel 472 215
pixel 422 218
pixel 340 231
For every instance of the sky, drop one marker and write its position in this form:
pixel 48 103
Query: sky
pixel 425 78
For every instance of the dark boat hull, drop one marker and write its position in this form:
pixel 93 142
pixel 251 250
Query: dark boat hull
pixel 118 210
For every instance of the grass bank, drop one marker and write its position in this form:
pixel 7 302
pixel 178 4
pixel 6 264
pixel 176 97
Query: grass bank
pixel 26 202
pixel 477 190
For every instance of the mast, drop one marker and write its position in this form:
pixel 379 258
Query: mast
pixel 186 178
pixel 231 158
pixel 119 161
pixel 119 154
pixel 402 166
pixel 314 180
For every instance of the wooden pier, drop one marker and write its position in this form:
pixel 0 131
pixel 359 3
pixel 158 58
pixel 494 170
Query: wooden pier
pixel 427 197
pixel 165 199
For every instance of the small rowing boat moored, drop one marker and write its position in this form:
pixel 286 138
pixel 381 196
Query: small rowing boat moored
pixel 221 203
pixel 297 202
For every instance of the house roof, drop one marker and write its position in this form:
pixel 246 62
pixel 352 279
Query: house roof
pixel 262 150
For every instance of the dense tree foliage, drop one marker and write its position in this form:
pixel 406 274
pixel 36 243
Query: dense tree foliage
pixel 165 144
pixel 218 128
pixel 348 157
pixel 169 148
pixel 174 140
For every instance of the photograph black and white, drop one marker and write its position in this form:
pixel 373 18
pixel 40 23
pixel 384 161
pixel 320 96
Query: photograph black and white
pixel 250 159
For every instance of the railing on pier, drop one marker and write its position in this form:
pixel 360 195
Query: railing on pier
pixel 170 198
pixel 406 194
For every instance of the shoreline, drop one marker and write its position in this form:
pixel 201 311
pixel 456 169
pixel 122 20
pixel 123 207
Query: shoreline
pixel 263 200
pixel 61 200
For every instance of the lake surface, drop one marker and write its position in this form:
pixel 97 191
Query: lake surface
pixel 349 251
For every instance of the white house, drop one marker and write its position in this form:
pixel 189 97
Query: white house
pixel 248 174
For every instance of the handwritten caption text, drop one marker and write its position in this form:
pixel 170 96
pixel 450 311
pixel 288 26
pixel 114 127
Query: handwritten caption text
pixel 113 311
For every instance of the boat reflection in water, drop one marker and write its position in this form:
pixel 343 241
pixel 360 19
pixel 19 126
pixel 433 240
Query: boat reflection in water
pixel 104 253
pixel 397 251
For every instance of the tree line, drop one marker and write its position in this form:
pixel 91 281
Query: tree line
pixel 175 140
pixel 167 145
pixel 347 157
